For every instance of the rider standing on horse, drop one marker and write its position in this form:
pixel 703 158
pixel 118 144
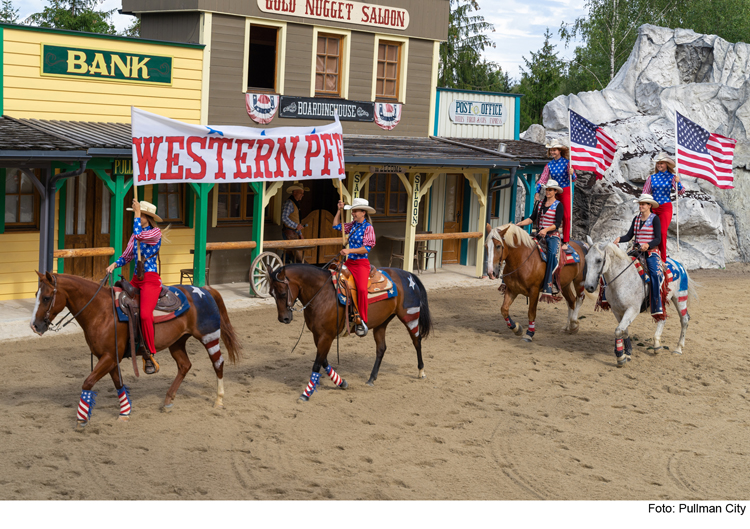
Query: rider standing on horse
pixel 547 217
pixel 361 241
pixel 148 235
pixel 660 185
pixel 560 170
pixel 646 229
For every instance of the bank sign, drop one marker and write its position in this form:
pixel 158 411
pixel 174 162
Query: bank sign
pixel 85 63
pixel 340 11
pixel 476 113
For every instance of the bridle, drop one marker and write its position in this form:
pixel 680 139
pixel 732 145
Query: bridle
pixel 63 323
pixel 503 259
pixel 290 302
pixel 604 263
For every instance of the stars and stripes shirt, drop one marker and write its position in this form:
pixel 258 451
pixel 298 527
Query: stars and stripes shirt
pixel 660 185
pixel 361 235
pixel 286 210
pixel 150 242
pixel 557 170
pixel 651 235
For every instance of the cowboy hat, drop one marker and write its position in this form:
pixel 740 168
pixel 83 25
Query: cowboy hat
pixel 148 209
pixel 557 144
pixel 552 184
pixel 663 157
pixel 360 203
pixel 296 186
pixel 647 199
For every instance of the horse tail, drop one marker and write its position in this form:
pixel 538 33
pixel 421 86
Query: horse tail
pixel 693 287
pixel 228 336
pixel 425 318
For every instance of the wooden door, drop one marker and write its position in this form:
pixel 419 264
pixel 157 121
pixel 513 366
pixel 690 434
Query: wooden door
pixel 326 253
pixel 102 219
pixel 80 195
pixel 454 196
pixel 311 232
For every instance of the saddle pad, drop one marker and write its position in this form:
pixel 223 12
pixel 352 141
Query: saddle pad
pixel 389 291
pixel 567 258
pixel 159 316
pixel 680 277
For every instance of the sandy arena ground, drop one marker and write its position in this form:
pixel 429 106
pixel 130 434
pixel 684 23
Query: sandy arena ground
pixel 495 419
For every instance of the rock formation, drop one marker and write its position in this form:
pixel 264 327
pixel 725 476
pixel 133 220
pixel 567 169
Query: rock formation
pixel 707 80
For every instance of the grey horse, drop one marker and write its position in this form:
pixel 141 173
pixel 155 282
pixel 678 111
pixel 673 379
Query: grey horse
pixel 626 294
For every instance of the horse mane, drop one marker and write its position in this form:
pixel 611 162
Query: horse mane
pixel 613 250
pixel 513 236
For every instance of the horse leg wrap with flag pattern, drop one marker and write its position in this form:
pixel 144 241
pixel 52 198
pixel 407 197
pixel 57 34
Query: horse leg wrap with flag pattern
pixel 123 395
pixel 312 385
pixel 86 405
pixel 532 328
pixel 211 343
pixel 510 322
pixel 619 348
pixel 335 378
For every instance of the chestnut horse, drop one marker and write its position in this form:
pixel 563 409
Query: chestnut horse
pixel 205 320
pixel 524 274
pixel 314 288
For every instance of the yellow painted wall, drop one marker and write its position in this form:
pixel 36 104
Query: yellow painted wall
pixel 29 95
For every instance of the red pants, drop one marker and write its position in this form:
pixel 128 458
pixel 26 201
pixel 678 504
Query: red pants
pixel 664 212
pixel 564 198
pixel 360 269
pixel 150 289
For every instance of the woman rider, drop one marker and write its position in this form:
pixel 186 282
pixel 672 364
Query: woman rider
pixel 560 170
pixel 646 228
pixel 148 234
pixel 660 185
pixel 361 241
pixel 548 216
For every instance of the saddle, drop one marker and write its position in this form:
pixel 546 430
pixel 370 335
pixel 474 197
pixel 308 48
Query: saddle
pixel 379 287
pixel 568 257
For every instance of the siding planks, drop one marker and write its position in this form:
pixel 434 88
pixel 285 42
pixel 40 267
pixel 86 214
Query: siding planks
pixel 175 27
pixel 360 74
pixel 226 102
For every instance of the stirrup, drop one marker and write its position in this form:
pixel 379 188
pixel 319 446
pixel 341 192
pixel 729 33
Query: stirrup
pixel 361 329
pixel 150 365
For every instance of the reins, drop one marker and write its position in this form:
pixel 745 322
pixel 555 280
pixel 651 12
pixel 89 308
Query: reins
pixel 520 266
pixel 56 327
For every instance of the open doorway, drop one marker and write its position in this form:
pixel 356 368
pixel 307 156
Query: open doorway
pixel 454 201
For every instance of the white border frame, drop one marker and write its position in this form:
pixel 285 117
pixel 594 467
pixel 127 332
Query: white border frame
pixel 403 64
pixel 344 66
pixel 280 52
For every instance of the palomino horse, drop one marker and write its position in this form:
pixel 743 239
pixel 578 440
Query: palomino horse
pixel 326 318
pixel 524 274
pixel 205 320
pixel 626 293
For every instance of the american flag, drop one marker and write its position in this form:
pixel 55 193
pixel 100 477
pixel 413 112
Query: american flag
pixel 592 149
pixel 704 155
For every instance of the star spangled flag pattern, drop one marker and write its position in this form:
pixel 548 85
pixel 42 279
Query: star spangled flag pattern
pixel 704 155
pixel 591 148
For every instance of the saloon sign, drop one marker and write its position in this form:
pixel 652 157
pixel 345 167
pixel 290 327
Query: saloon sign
pixel 340 11
pixel 476 113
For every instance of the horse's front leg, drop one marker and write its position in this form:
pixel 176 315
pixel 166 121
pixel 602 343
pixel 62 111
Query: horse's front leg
pixel 657 335
pixel 323 343
pixel 533 303
pixel 87 401
pixel 684 319
pixel 123 394
pixel 505 311
pixel 621 334
pixel 574 306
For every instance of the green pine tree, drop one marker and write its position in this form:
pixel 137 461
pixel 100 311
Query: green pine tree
pixel 77 15
pixel 540 81
pixel 8 13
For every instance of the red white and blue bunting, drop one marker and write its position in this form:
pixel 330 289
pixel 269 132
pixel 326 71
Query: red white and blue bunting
pixel 387 115
pixel 261 107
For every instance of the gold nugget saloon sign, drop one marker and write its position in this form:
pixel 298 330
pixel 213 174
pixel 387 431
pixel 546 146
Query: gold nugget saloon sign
pixel 64 61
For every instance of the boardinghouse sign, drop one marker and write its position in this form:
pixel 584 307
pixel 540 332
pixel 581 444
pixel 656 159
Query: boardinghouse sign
pixel 64 61
pixel 476 113
pixel 351 12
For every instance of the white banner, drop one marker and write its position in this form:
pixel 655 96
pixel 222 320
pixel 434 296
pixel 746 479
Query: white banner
pixel 340 11
pixel 166 151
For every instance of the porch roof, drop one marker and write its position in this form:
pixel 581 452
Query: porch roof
pixel 527 152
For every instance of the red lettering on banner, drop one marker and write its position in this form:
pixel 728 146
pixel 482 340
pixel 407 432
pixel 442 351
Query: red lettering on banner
pixel 400 18
pixel 328 156
pixel 241 158
pixel 173 159
pixel 339 142
pixel 311 153
pixel 288 157
pixel 365 17
pixel 146 156
pixel 189 173
pixel 263 158
pixel 220 143
pixel 349 8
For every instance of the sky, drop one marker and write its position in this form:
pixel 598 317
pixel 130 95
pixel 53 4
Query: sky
pixel 519 25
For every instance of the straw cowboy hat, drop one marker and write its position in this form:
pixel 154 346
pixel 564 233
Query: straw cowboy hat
pixel 296 186
pixel 645 198
pixel 552 184
pixel 148 209
pixel 360 203
pixel 662 157
pixel 557 144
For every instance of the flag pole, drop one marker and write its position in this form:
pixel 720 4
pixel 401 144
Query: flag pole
pixel 570 176
pixel 677 191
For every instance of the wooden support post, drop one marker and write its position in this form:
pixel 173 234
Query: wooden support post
pixel 201 227
pixel 479 187
pixel 413 186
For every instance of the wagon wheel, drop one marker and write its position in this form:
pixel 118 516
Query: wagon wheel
pixel 267 261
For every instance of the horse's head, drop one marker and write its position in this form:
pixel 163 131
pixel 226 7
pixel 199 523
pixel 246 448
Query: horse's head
pixel 283 292
pixel 595 261
pixel 495 251
pixel 49 303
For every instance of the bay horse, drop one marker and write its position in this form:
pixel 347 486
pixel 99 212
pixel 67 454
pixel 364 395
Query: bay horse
pixel 206 320
pixel 626 293
pixel 524 275
pixel 313 286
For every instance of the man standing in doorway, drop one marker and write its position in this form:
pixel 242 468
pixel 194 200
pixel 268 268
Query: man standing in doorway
pixel 291 227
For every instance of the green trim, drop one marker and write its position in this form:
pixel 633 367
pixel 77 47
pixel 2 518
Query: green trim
pixel 517 124
pixel 513 197
pixel 258 217
pixel 102 36
pixel 2 77
pixel 201 226
pixel 61 214
pixel 517 96
pixel 437 112
pixel 2 200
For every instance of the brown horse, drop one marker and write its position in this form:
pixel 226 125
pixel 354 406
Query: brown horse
pixel 524 274
pixel 205 320
pixel 325 316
